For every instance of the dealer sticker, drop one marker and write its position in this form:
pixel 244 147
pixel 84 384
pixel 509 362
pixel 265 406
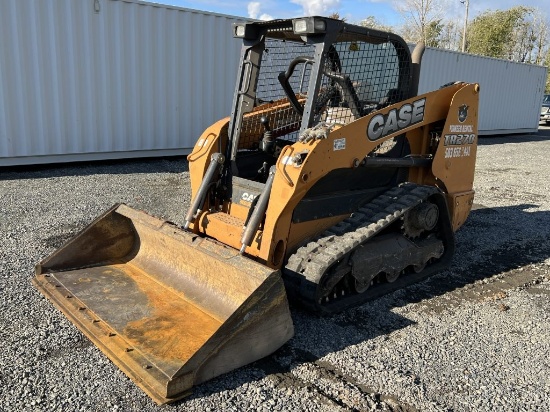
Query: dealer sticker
pixel 339 144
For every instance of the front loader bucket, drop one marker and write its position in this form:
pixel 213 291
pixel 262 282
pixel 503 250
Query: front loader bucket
pixel 170 308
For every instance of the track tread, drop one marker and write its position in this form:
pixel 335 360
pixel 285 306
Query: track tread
pixel 310 262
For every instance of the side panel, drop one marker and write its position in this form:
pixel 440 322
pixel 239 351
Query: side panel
pixel 451 111
pixel 211 141
pixel 343 148
pixel 454 162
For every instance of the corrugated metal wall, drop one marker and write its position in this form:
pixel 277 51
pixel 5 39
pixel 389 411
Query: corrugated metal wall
pixel 511 93
pixel 131 79
pixel 100 79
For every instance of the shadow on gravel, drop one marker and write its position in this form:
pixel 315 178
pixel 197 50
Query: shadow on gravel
pixel 373 319
pixel 125 166
pixel 518 249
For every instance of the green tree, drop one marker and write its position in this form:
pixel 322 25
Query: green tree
pixel 505 34
pixel 518 34
pixel 433 33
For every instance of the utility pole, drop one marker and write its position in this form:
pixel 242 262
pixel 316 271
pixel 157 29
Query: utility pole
pixel 467 3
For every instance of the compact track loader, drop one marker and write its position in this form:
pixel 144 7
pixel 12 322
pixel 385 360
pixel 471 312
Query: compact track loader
pixel 331 182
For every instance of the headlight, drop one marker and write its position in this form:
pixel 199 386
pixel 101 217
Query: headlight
pixel 319 25
pixel 248 31
pixel 239 30
pixel 300 26
pixel 309 25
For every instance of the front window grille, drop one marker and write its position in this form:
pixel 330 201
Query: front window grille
pixel 364 77
pixel 359 76
pixel 285 121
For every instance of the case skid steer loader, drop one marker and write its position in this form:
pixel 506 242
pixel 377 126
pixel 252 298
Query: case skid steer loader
pixel 331 182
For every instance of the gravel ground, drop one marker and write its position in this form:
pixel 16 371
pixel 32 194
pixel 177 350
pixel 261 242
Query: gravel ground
pixel 473 338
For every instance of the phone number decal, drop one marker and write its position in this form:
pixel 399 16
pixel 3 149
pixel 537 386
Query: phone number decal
pixel 461 151
pixel 460 144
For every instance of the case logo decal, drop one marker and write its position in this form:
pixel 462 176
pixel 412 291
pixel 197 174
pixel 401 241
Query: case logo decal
pixel 397 119
pixel 248 197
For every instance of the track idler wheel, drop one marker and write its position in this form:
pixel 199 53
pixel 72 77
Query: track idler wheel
pixel 421 218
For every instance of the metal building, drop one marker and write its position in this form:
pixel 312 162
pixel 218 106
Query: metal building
pixel 105 79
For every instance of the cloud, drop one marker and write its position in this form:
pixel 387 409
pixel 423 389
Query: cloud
pixel 254 10
pixel 318 7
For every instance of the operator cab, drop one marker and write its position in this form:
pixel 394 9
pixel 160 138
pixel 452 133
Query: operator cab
pixel 295 74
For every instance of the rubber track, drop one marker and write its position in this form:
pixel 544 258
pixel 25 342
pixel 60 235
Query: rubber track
pixel 306 267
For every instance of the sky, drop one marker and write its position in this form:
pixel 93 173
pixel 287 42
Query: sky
pixel 385 11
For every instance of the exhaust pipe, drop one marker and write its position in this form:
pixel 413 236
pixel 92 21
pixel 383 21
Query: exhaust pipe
pixel 416 57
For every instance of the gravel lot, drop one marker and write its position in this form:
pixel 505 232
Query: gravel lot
pixel 473 338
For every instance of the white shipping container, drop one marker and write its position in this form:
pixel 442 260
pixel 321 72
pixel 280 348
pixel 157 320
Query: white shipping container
pixel 107 79
pixel 510 95
pixel 100 79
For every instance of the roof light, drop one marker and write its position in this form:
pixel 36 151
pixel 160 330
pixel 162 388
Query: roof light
pixel 239 30
pixel 300 26
pixel 309 25
pixel 246 31
pixel 319 25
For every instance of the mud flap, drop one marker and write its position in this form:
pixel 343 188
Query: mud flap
pixel 169 308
